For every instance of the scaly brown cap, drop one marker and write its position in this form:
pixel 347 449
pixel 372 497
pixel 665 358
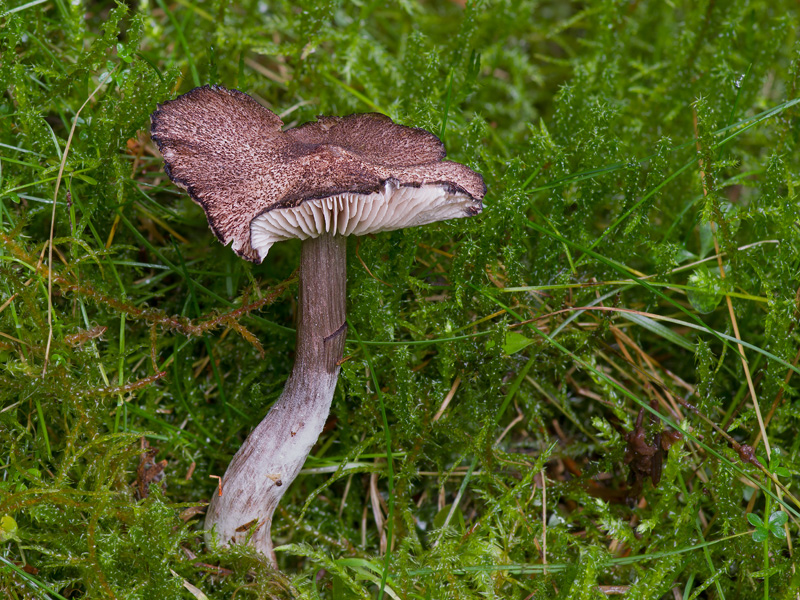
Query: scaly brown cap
pixel 348 175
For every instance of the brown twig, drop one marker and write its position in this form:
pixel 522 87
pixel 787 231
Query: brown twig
pixel 447 398
pixel 363 264
pixel 188 327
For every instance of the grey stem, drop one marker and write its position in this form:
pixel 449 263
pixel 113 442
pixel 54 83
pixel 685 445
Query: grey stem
pixel 275 451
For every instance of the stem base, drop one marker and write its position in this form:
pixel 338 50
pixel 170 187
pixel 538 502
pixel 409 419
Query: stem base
pixel 275 451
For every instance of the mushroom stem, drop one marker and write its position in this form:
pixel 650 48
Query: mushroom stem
pixel 275 451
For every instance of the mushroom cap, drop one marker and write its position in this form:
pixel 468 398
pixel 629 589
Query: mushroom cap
pixel 348 175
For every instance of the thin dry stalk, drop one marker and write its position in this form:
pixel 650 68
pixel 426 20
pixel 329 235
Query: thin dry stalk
pixel 363 264
pixel 778 398
pixel 447 399
pixel 654 368
pixel 544 520
pixel 511 425
pixel 53 225
pixel 377 513
pixel 734 322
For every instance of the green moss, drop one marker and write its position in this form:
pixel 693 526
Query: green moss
pixel 621 143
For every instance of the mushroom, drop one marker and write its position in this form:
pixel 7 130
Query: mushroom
pixel 318 182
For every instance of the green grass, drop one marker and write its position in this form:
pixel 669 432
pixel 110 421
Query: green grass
pixel 639 247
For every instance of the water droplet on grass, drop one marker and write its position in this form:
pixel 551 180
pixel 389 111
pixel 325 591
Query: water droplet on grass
pixel 706 291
